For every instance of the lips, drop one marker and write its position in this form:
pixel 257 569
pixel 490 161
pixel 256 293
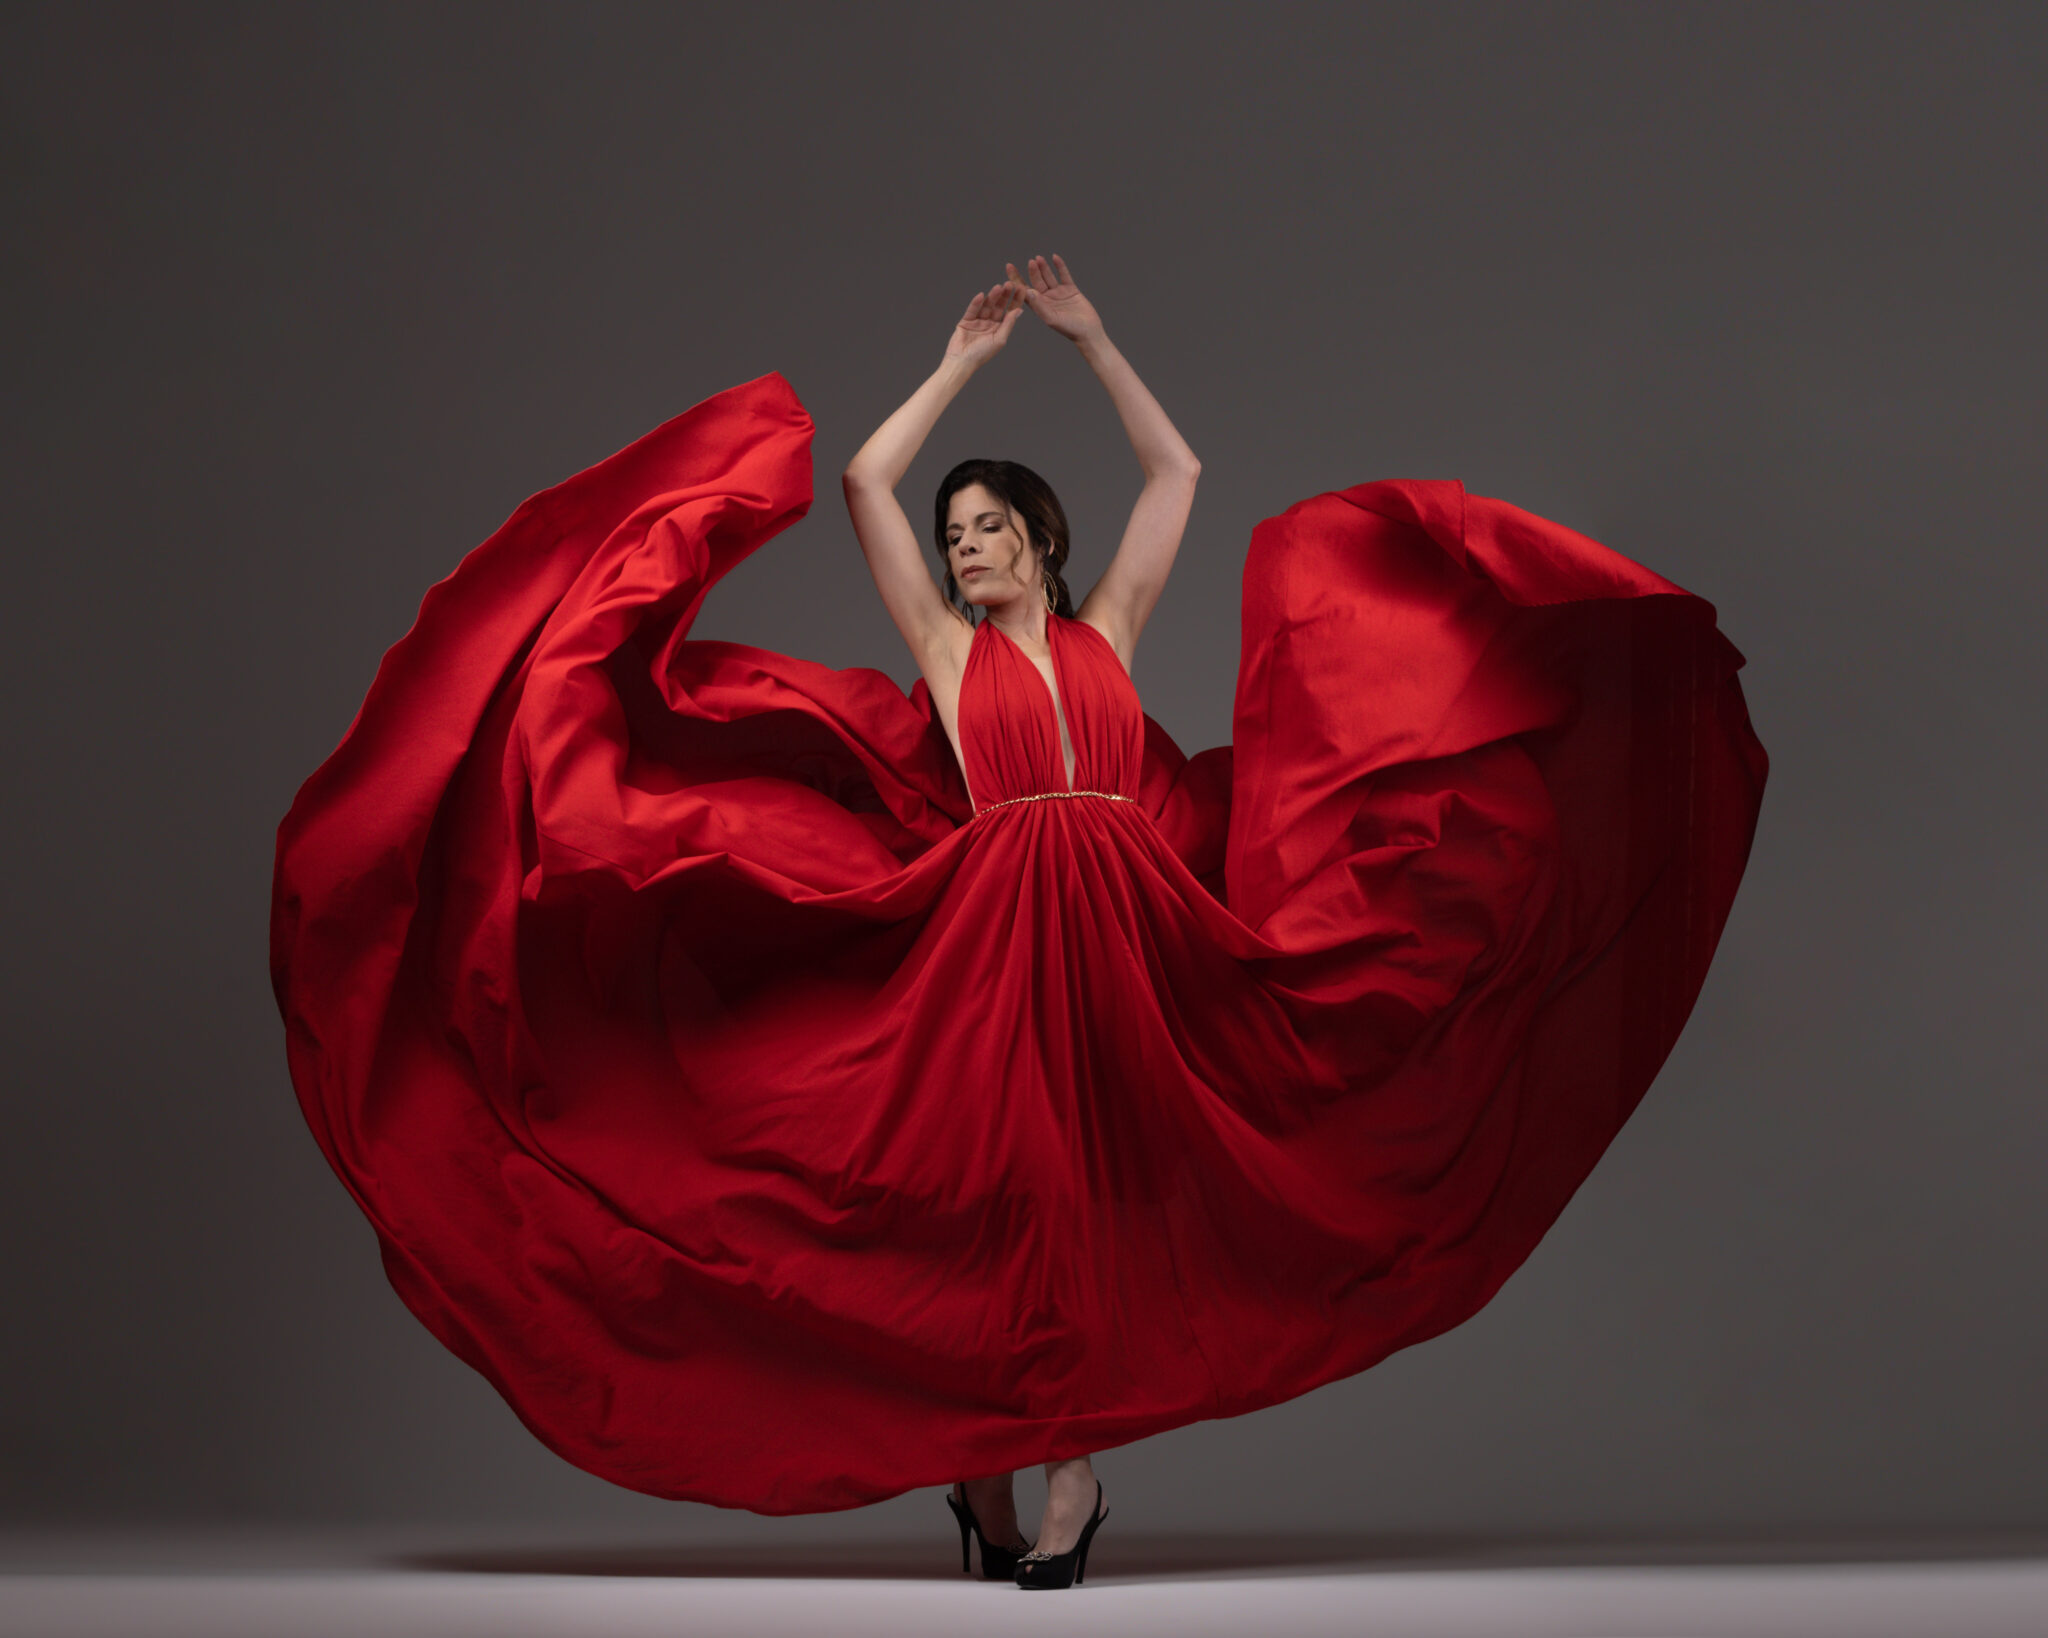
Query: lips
pixel 969 574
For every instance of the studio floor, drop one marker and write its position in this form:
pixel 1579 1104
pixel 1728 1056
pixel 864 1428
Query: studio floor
pixel 426 1584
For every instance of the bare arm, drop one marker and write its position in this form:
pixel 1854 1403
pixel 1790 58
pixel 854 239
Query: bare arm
pixel 1123 598
pixel 886 538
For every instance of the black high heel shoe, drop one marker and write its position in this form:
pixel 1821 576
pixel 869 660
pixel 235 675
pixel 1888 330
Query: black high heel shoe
pixel 1068 1569
pixel 997 1563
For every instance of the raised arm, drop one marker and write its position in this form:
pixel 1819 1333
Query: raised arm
pixel 1123 598
pixel 887 540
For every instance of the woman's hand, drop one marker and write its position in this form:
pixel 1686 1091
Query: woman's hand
pixel 986 324
pixel 1054 297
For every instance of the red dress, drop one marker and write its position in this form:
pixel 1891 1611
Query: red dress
pixel 772 1128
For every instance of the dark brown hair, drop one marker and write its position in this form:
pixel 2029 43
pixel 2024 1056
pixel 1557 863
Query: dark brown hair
pixel 1032 499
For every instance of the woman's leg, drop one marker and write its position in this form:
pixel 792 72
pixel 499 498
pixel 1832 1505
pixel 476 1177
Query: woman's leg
pixel 1069 1502
pixel 994 1501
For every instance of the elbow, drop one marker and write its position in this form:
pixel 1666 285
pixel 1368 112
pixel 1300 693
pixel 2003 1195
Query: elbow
pixel 1184 470
pixel 861 480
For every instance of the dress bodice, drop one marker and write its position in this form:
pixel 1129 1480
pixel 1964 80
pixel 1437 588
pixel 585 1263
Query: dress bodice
pixel 1010 730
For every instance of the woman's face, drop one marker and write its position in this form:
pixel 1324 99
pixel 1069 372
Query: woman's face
pixel 988 548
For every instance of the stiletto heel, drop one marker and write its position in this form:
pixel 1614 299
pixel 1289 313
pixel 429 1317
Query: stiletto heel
pixel 965 1519
pixel 1068 1569
pixel 997 1563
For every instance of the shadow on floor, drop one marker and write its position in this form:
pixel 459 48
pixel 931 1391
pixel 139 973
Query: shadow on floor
pixel 1136 1556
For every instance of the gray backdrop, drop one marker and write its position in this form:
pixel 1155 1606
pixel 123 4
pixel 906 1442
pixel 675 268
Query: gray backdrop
pixel 303 302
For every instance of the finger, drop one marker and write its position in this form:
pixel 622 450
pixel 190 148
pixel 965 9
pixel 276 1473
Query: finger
pixel 1060 262
pixel 1040 275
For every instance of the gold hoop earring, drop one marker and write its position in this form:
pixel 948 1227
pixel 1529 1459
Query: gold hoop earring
pixel 1052 600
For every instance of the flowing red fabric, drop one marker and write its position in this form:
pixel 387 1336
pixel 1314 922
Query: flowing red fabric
pixel 774 1129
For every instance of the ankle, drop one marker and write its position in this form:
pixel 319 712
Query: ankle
pixel 994 1505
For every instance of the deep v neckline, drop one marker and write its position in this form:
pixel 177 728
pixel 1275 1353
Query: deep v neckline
pixel 1063 733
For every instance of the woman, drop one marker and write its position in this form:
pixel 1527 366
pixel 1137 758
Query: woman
pixel 788 1092
pixel 1008 566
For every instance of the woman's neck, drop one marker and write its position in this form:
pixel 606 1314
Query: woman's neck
pixel 1019 631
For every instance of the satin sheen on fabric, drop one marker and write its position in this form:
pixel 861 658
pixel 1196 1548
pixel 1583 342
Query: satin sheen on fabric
pixel 773 1129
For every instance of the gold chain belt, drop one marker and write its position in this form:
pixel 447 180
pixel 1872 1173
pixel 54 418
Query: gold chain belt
pixel 1040 796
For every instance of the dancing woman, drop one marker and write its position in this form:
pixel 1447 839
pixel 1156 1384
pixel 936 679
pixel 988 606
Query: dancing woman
pixel 1002 536
pixel 788 1091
